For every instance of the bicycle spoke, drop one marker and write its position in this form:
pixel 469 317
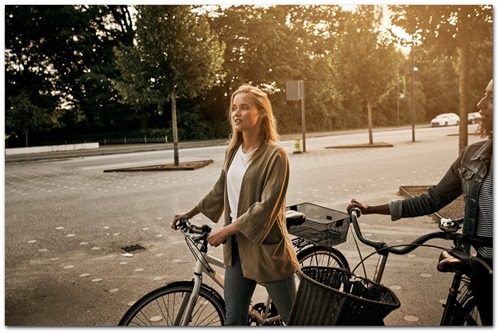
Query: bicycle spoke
pixel 167 306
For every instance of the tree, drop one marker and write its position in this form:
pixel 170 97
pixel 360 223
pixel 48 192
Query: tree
pixel 270 45
pixel 176 55
pixel 366 65
pixel 63 65
pixel 456 31
pixel 28 81
pixel 24 116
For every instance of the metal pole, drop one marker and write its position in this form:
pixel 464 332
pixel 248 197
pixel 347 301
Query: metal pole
pixel 303 106
pixel 412 91
pixel 398 98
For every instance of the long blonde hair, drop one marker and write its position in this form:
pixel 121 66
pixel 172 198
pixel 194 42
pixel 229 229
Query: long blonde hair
pixel 268 129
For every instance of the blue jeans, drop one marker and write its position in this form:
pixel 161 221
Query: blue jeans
pixel 238 292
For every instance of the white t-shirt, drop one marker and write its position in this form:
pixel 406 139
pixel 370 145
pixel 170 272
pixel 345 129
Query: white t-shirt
pixel 235 175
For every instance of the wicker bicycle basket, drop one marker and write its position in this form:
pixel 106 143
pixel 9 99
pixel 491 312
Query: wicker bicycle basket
pixel 330 296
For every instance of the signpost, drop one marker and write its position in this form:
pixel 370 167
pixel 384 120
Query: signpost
pixel 295 92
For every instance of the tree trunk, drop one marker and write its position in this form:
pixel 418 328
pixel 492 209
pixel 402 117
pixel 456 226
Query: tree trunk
pixel 174 128
pixel 463 89
pixel 144 119
pixel 370 123
pixel 26 138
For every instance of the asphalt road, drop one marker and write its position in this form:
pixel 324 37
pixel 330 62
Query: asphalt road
pixel 67 222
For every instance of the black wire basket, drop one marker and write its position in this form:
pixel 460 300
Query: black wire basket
pixel 323 226
pixel 329 296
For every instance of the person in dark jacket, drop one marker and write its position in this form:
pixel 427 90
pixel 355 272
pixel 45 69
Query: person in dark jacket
pixel 471 175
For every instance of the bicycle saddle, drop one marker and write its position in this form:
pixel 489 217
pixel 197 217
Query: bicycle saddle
pixel 294 218
pixel 449 263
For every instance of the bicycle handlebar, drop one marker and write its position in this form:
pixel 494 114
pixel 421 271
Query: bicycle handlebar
pixel 188 227
pixel 445 234
pixel 380 247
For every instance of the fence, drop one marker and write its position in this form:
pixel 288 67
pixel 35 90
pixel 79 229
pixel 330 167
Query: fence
pixel 102 140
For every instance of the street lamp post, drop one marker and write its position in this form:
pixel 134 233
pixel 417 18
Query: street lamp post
pixel 412 92
pixel 398 97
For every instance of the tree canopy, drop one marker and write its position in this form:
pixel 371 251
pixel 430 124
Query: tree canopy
pixel 458 32
pixel 107 70
pixel 175 55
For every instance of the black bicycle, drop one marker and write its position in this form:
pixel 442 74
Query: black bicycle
pixel 347 299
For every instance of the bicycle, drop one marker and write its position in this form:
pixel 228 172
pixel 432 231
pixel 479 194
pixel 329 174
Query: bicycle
pixel 183 303
pixel 367 302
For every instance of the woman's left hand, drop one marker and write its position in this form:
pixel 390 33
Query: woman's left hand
pixel 215 238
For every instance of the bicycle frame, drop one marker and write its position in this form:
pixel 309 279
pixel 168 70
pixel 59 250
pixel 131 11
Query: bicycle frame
pixel 201 268
pixel 189 300
pixel 448 231
pixel 451 307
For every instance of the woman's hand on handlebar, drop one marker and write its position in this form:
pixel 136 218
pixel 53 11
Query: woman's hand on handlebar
pixel 177 218
pixel 219 237
pixel 215 238
pixel 366 209
pixel 356 204
pixel 186 216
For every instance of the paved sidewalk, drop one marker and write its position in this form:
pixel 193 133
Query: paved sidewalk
pixel 134 148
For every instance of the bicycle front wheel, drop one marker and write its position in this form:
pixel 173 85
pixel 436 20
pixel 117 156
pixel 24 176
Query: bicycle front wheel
pixel 472 317
pixel 467 313
pixel 322 256
pixel 166 306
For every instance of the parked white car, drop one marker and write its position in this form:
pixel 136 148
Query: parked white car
pixel 473 118
pixel 445 119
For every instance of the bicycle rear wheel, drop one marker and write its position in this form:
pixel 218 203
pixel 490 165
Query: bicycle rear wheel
pixel 161 307
pixel 322 256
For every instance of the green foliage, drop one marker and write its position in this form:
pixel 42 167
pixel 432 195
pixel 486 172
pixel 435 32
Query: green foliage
pixel 100 70
pixel 64 64
pixel 457 32
pixel 24 116
pixel 269 46
pixel 175 51
pixel 371 77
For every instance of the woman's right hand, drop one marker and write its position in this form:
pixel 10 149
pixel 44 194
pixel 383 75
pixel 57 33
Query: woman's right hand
pixel 178 218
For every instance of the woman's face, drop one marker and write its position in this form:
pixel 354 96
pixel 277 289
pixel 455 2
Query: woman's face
pixel 245 115
pixel 485 106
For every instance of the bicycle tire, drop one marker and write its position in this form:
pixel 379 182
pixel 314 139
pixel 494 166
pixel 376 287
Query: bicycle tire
pixel 160 306
pixel 466 313
pixel 317 255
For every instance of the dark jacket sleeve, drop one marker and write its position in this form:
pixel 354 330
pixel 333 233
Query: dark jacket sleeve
pixel 437 197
